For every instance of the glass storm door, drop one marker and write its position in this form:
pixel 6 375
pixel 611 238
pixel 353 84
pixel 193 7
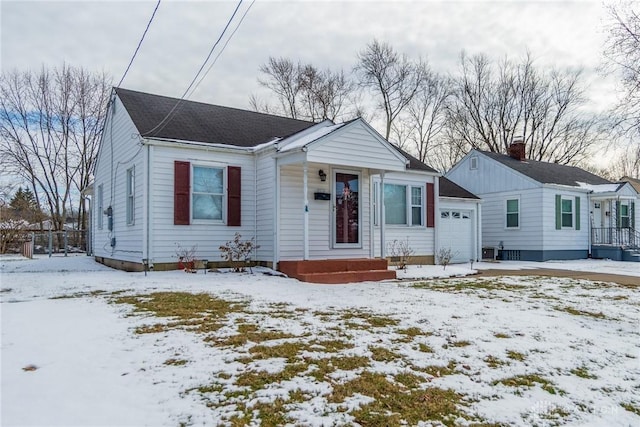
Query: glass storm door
pixel 346 209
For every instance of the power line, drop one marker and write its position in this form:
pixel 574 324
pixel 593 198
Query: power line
pixel 223 48
pixel 163 122
pixel 139 43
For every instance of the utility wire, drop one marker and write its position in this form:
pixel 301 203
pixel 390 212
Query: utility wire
pixel 164 121
pixel 222 50
pixel 139 43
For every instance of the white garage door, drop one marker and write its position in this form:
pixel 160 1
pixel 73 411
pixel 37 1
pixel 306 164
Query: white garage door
pixel 455 233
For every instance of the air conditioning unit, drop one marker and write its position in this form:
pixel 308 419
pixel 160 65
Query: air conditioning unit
pixel 489 253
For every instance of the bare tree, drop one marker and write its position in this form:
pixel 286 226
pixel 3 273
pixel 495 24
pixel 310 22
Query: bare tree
pixel 305 92
pixel 427 113
pixel 492 103
pixel 50 124
pixel 392 77
pixel 622 52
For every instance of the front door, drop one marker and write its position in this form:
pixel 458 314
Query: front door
pixel 346 209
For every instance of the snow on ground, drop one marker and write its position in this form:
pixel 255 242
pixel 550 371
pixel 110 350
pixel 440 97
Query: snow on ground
pixel 85 365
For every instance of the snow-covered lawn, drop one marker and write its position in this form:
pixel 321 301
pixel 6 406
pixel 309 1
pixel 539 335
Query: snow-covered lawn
pixel 86 345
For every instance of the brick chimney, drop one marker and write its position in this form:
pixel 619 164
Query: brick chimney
pixel 517 150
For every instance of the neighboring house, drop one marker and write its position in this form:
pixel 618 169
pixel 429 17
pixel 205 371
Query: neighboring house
pixel 540 211
pixel 635 183
pixel 176 174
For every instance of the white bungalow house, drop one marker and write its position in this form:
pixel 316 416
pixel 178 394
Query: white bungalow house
pixel 540 211
pixel 179 174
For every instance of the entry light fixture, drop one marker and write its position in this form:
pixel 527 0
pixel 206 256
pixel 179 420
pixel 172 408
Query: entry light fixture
pixel 323 175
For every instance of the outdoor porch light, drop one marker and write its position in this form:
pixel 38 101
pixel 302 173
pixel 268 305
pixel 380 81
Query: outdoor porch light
pixel 323 175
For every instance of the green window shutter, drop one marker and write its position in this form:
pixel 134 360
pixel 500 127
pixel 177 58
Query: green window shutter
pixel 618 219
pixel 633 214
pixel 558 212
pixel 577 213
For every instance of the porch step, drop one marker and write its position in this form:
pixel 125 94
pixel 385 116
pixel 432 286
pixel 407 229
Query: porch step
pixel 632 255
pixel 335 271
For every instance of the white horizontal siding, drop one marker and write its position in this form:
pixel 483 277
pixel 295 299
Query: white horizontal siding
pixel 489 177
pixel 166 237
pixel 528 236
pixel 566 238
pixel 354 146
pixel 119 151
pixel 265 205
pixel 421 238
pixel 291 218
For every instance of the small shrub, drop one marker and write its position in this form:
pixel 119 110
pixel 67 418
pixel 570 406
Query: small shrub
pixel 237 250
pixel 186 258
pixel 400 252
pixel 444 256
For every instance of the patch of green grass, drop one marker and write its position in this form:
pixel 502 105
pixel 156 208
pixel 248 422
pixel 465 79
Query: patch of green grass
pixel 631 407
pixel 470 285
pixel 462 343
pixel 181 305
pixel 381 354
pixel 371 320
pixel 331 346
pixel 395 405
pixel 326 366
pixel 257 380
pixel 576 312
pixel 438 370
pixel 424 348
pixel 175 362
pixel 494 362
pixel 516 355
pixel 501 335
pixel 248 332
pixel 76 295
pixel 529 381
pixel 583 372
pixel 287 350
pixel 409 380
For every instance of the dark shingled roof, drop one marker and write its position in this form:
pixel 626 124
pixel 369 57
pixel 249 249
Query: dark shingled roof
pixel 548 173
pixel 199 122
pixel 449 188
pixel 414 163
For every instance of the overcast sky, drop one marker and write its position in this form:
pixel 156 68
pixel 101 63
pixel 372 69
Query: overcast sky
pixel 102 35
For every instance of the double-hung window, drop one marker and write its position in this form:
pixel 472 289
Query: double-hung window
pixel 513 213
pixel 208 193
pixel 416 205
pixel 624 215
pixel 130 194
pixel 567 213
pixel 403 205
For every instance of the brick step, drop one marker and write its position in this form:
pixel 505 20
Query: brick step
pixel 293 268
pixel 338 277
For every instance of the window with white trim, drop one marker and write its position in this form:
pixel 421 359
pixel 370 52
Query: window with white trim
pixel 625 218
pixel 513 213
pixel 207 194
pixel 566 212
pixel 416 205
pixel 130 194
pixel 100 206
pixel 403 204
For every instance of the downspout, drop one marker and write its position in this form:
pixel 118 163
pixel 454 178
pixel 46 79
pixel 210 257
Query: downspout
pixel 148 206
pixel 276 216
pixel 590 225
pixel 305 226
pixel 372 239
pixel 382 218
pixel 255 204
pixel 436 218
pixel 478 231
